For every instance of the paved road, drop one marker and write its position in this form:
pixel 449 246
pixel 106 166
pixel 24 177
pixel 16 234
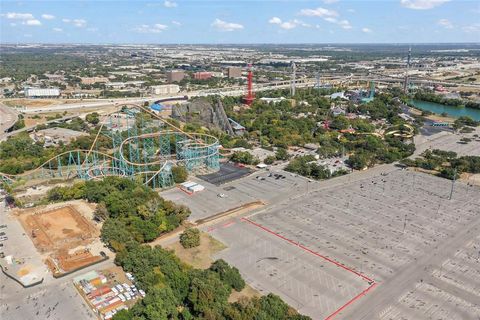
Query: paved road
pixel 8 117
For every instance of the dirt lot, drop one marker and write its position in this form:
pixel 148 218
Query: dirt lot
pixel 64 234
pixel 201 256
pixel 58 228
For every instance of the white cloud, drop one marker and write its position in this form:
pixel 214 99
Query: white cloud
pixel 156 28
pixel 226 26
pixel 422 4
pixel 57 29
pixel 301 23
pixel 19 16
pixel 79 23
pixel 319 12
pixel 445 23
pixel 160 26
pixel 345 24
pixel 475 28
pixel 327 15
pixel 178 24
pixel 275 20
pixel 366 30
pixel 47 16
pixel 170 4
pixel 32 22
pixel 288 25
pixel 330 1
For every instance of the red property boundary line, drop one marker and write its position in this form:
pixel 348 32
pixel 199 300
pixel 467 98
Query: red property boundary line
pixel 371 282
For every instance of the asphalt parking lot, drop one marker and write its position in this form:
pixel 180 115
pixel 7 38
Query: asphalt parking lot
pixel 448 141
pixel 399 229
pixel 257 186
pixel 28 265
pixel 53 301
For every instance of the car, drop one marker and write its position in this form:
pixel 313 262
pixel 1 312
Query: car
pixel 1 245
pixel 222 195
pixel 3 226
pixel 3 238
pixel 2 233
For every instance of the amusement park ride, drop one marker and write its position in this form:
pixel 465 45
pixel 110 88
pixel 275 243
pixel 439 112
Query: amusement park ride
pixel 143 148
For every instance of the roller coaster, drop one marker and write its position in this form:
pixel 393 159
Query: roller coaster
pixel 142 146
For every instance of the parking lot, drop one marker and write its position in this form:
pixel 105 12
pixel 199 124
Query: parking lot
pixel 51 300
pixel 27 264
pixel 448 141
pixel 215 199
pixel 393 226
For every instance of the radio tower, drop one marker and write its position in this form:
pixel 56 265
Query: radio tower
pixel 292 84
pixel 405 84
pixel 248 99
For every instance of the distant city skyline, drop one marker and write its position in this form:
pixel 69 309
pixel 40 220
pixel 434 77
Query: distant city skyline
pixel 240 22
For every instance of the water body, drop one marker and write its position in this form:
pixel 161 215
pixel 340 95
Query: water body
pixel 451 111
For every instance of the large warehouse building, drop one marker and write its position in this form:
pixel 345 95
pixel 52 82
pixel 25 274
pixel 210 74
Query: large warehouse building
pixel 42 92
pixel 165 89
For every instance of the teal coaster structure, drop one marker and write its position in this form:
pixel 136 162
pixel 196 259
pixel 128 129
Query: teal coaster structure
pixel 143 146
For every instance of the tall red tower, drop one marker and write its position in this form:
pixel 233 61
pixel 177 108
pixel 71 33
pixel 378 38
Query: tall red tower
pixel 248 99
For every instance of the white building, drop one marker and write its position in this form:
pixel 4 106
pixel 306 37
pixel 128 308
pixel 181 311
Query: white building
pixel 41 92
pixel 165 89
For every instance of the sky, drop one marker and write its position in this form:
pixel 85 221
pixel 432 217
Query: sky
pixel 239 21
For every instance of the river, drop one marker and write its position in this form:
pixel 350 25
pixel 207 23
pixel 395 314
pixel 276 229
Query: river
pixel 451 111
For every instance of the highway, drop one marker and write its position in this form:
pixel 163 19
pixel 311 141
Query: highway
pixel 4 136
pixel 230 91
pixel 8 117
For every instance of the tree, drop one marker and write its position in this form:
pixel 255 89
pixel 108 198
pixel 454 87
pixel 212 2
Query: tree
pixel 269 160
pixel 180 174
pixel 101 212
pixel 282 154
pixel 358 161
pixel 190 238
pixel 229 275
pixel 208 294
pixel 244 157
pixel 340 123
pixel 93 118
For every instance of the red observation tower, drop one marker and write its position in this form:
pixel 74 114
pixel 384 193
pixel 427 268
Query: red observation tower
pixel 248 99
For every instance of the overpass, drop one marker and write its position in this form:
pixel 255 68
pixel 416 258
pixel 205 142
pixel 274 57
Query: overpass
pixel 8 117
pixel 30 128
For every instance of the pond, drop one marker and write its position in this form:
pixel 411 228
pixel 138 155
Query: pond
pixel 451 111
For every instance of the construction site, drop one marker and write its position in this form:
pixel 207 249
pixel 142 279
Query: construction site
pixel 63 236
